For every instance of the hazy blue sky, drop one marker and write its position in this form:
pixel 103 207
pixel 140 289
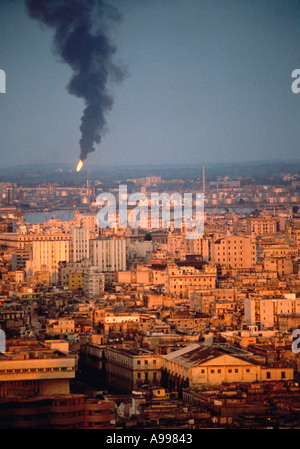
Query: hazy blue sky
pixel 207 80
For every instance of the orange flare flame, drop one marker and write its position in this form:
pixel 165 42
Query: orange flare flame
pixel 79 165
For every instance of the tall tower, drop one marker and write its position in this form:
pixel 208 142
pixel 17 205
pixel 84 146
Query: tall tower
pixel 203 178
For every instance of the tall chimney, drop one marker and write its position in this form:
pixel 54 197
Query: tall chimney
pixel 203 178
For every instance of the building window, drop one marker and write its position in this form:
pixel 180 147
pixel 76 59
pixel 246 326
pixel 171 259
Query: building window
pixel 212 371
pixel 219 371
pixel 236 370
pixel 268 375
pixel 202 371
pixel 282 374
pixel 230 370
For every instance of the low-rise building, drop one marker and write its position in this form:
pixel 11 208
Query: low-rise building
pixel 197 364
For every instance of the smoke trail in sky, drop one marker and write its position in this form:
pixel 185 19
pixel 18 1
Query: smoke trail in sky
pixel 81 40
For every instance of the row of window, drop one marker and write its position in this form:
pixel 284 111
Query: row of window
pixel 236 370
pixel 146 362
pixel 229 370
pixel 146 376
pixel 34 370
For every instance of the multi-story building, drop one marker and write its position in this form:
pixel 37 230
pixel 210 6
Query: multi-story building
pixel 198 246
pixel 70 411
pixel 14 317
pixel 181 281
pixel 273 248
pixel 61 326
pixel 121 323
pixel 185 320
pixel 76 281
pixel 126 369
pixel 19 258
pixel 283 266
pixel 264 311
pixel 66 269
pixel 79 244
pixel 93 282
pixel 234 251
pixel 108 254
pixel 46 255
pixel 264 225
pixel 87 221
pixel 28 368
pixel 295 238
pixel 17 240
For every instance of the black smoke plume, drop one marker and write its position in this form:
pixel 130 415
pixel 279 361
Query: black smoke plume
pixel 81 40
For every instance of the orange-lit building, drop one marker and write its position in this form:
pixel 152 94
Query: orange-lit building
pixel 29 368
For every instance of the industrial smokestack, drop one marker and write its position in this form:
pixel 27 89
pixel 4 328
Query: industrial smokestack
pixel 203 178
pixel 81 41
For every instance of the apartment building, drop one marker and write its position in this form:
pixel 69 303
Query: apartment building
pixel 93 282
pixel 198 246
pixel 46 255
pixel 128 368
pixel 274 248
pixel 19 258
pixel 283 266
pixel 142 275
pixel 18 240
pixel 76 281
pixel 181 281
pixel 79 245
pixel 295 237
pixel 264 311
pixel 14 317
pixel 87 221
pixel 264 225
pixel 67 271
pixel 108 254
pixel 234 251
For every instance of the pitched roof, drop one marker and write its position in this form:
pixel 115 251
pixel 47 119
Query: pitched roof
pixel 195 355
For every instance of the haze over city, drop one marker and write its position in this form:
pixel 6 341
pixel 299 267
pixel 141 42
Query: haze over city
pixel 204 82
